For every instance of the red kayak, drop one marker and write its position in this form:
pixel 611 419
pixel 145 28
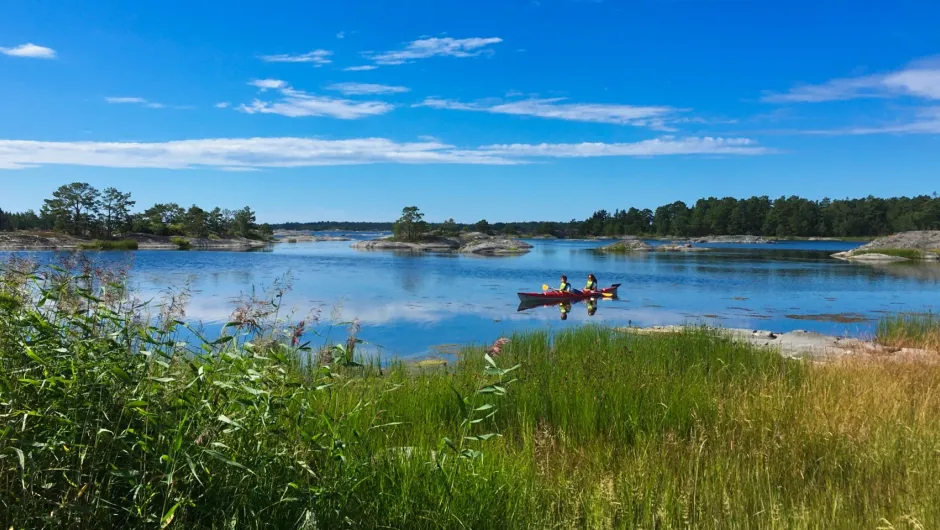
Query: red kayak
pixel 557 296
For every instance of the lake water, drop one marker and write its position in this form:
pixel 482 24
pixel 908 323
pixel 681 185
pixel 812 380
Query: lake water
pixel 411 305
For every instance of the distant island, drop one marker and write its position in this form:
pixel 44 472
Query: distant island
pixel 79 216
pixel 757 217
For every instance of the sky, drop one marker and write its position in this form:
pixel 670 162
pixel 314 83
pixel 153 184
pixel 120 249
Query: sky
pixel 506 110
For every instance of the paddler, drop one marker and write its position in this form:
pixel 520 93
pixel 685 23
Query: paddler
pixel 565 287
pixel 591 284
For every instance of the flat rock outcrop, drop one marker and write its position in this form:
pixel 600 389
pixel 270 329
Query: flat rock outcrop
pixel 904 246
pixel 472 243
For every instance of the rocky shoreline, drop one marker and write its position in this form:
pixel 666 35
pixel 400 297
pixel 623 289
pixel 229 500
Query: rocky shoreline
pixel 638 245
pixel 56 241
pixel 472 243
pixel 806 344
pixel 905 246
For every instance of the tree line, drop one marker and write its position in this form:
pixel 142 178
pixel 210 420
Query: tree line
pixel 784 217
pixel 758 216
pixel 82 210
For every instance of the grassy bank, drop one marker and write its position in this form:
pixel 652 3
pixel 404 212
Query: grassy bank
pixel 921 331
pixel 101 244
pixel 107 420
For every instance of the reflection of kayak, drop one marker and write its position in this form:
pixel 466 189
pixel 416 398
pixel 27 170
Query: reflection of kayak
pixel 556 296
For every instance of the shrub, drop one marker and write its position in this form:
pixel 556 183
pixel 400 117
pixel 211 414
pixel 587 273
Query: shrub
pixel 181 243
pixel 99 244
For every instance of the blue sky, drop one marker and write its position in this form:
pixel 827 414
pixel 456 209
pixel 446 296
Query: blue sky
pixel 505 110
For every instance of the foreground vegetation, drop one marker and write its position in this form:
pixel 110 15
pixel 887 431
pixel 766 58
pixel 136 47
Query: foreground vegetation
pixel 109 419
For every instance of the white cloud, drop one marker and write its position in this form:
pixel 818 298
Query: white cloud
pixel 926 121
pixel 341 35
pixel 317 57
pixel 222 105
pixel 265 84
pixel 142 102
pixel 240 154
pixel 443 46
pixel 363 68
pixel 360 89
pixel 643 116
pixel 666 145
pixel 126 100
pixel 920 79
pixel 295 103
pixel 29 50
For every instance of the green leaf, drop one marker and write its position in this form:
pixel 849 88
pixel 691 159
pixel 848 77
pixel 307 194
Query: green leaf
pixel 222 458
pixel 481 437
pixel 122 375
pixel 21 457
pixel 487 406
pixel 460 402
pixel 137 403
pixel 225 419
pixel 489 360
pixel 167 518
pixel 32 355
pixel 192 467
pixel 163 379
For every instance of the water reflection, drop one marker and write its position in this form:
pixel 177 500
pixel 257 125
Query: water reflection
pixel 406 303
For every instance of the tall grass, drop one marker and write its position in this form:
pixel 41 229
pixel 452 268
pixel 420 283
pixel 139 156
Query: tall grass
pixel 100 244
pixel 108 420
pixel 907 330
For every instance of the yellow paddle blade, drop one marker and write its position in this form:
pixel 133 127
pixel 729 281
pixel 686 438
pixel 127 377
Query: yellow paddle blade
pixel 608 294
pixel 544 287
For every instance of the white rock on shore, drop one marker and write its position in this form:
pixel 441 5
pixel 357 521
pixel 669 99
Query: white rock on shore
pixel 801 343
pixel 472 243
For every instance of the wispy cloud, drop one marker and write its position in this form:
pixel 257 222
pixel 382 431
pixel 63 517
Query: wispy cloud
pixel 361 89
pixel 664 146
pixel 925 121
pixel 316 57
pixel 223 105
pixel 29 50
pixel 295 103
pixel 253 153
pixel 341 35
pixel 436 46
pixel 139 101
pixel 920 79
pixel 266 84
pixel 555 108
pixel 363 68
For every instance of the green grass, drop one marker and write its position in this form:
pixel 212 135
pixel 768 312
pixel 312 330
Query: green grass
pixel 907 253
pixel 100 244
pixel 907 330
pixel 181 243
pixel 109 421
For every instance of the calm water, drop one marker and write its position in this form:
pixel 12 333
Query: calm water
pixel 410 305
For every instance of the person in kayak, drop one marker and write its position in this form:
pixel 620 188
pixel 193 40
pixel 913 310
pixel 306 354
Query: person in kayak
pixel 565 287
pixel 591 284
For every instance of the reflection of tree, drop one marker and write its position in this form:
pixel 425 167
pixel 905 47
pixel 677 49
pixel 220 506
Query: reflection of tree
pixel 411 269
